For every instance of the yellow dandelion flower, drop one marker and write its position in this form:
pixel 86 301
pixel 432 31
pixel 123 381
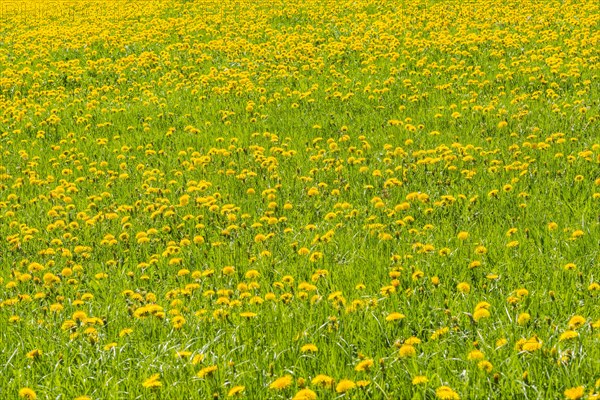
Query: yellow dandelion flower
pixel 419 380
pixel 27 393
pixel 412 340
pixel 523 318
pixel 323 380
pixel 481 314
pixel 281 383
pixel 34 354
pixel 577 234
pixel 463 287
pixel 407 350
pixel 395 316
pixel 178 322
pixel 439 333
pixel 576 322
pixel 125 332
pixel 446 393
pixel 197 359
pixel 364 365
pixel 570 267
pixel 182 354
pixel 345 385
pixel 475 355
pixel 480 250
pixel 305 394
pixel 207 371
pixel 568 335
pixel 229 270
pixel 529 345
pixel 109 346
pixel 462 235
pixel 575 393
pixel 485 366
pixel 235 391
pixel 309 348
pixel 153 382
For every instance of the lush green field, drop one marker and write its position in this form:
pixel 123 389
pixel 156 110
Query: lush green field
pixel 300 199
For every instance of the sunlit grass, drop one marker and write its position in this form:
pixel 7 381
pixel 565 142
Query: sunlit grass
pixel 270 200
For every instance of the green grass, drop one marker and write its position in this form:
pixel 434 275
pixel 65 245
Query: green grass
pixel 109 119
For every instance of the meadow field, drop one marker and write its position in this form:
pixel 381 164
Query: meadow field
pixel 350 199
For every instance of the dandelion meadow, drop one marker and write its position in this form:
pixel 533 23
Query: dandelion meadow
pixel 300 199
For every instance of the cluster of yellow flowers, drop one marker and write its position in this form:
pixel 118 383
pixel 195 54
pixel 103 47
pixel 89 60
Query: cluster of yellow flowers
pixel 300 199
